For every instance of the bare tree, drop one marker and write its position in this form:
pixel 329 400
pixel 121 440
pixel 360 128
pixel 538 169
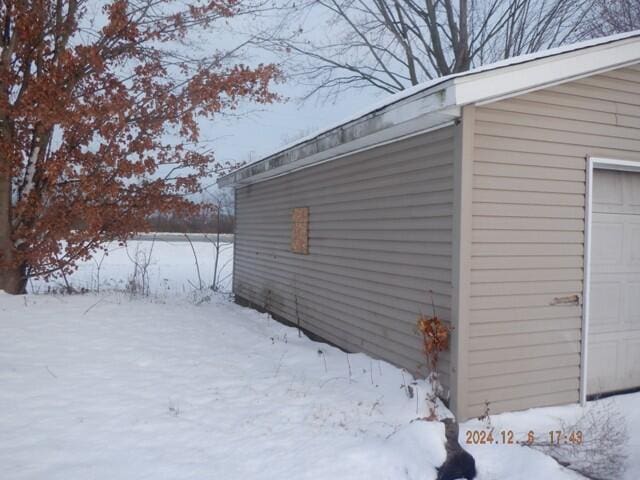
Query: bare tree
pixel 223 203
pixel 390 45
pixel 595 446
pixel 609 17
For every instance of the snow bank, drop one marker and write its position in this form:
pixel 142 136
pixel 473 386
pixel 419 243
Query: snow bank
pixel 113 386
pixel 105 386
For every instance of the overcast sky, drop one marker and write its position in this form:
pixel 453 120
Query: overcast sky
pixel 262 129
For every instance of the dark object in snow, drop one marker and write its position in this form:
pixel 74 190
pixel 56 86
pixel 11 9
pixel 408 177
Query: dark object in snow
pixel 459 463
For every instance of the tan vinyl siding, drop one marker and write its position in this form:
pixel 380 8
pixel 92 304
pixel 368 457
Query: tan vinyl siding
pixel 528 234
pixel 380 232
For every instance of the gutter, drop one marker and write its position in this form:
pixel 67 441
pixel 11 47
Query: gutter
pixel 428 110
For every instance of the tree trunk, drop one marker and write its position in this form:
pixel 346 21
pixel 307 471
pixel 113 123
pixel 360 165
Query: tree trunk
pixel 12 278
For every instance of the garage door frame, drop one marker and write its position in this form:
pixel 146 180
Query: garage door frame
pixel 592 164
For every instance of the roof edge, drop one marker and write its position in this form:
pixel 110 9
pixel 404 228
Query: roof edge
pixel 421 112
pixel 438 102
pixel 518 78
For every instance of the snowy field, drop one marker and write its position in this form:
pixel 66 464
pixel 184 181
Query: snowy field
pixel 184 384
pixel 164 268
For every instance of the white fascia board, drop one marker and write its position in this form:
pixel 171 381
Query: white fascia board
pixel 412 115
pixel 516 79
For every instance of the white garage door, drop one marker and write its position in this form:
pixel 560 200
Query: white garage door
pixel 614 317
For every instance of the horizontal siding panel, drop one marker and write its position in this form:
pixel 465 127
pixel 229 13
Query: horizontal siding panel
pixel 411 148
pixel 513 301
pixel 555 137
pixel 496 169
pixel 528 198
pixel 527 223
pixel 368 258
pixel 380 239
pixel 416 213
pixel 523 378
pixel 518 263
pixel 392 236
pixel 373 279
pixel 408 288
pixel 268 294
pixel 526 249
pixel 422 248
pixel 359 189
pixel 589 91
pixel 563 287
pixel 526 236
pixel 561 125
pixel 377 247
pixel 372 170
pixel 540 105
pixel 498 142
pixel 628 74
pixel 624 109
pixel 523 340
pixel 628 121
pixel 527 185
pixel 526 365
pixel 362 235
pixel 527 211
pixel 506 404
pixel 624 85
pixel 519 158
pixel 394 224
pixel 346 314
pixel 623 80
pixel 527 313
pixel 367 212
pixel 411 195
pixel 550 96
pixel 506 355
pixel 540 274
pixel 524 326
pixel 527 390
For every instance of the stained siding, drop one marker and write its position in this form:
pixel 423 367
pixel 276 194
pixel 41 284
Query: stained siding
pixel 379 241
pixel 528 234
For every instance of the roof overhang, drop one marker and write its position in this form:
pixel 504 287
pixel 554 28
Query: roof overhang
pixel 438 103
pixel 416 114
pixel 502 82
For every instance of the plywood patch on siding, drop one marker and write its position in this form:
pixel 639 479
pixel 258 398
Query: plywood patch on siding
pixel 300 230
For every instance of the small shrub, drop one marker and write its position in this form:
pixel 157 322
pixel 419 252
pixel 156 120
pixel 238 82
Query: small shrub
pixel 435 339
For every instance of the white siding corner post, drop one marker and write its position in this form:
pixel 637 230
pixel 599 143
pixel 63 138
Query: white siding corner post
pixel 461 259
pixel 586 282
pixel 234 289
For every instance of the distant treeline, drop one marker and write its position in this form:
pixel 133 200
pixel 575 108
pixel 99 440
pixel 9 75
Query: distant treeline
pixel 205 221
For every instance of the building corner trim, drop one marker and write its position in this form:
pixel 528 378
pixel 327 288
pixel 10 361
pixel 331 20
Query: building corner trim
pixel 461 265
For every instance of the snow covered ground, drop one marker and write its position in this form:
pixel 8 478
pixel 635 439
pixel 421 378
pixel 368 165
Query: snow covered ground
pixel 171 267
pixel 185 385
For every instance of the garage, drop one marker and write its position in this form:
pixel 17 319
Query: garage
pixel 507 199
pixel 614 307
